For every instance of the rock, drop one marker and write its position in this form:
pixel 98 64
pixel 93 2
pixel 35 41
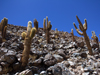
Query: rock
pixel 52 36
pixel 26 72
pixel 96 65
pixel 3 51
pixel 75 54
pixel 0 68
pixel 16 66
pixel 59 69
pixel 37 62
pixel 58 58
pixel 49 60
pixel 19 57
pixel 71 45
pixel 20 46
pixel 83 54
pixel 94 45
pixel 34 69
pixel 80 44
pixel 86 73
pixel 72 64
pixel 4 64
pixel 9 57
pixel 43 73
pixel 88 69
pixel 61 53
pixel 66 63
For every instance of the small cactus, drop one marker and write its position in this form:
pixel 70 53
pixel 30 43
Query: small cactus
pixel 83 28
pixel 72 33
pixel 94 37
pixel 64 35
pixel 27 43
pixel 56 33
pixel 47 29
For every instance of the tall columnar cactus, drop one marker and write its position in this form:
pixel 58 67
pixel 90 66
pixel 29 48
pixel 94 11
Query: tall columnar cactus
pixel 94 37
pixel 36 25
pixel 47 28
pixel 27 43
pixel 72 33
pixel 3 28
pixel 83 28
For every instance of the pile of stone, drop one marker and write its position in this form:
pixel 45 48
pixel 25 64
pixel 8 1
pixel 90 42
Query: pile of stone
pixel 60 57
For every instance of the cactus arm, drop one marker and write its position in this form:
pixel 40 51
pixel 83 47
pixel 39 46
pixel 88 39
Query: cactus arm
pixel 47 20
pixel 81 27
pixel 79 20
pixel 80 33
pixel 49 26
pixel 44 27
pixel 32 33
pixel 85 25
pixel 23 35
pixel 29 27
pixel 36 25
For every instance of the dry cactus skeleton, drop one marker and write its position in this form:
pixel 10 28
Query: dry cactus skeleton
pixel 83 28
pixel 27 43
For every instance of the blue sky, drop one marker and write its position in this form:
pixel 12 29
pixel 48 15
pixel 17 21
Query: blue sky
pixel 61 13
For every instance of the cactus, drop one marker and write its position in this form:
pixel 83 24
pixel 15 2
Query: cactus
pixel 72 33
pixel 47 29
pixel 27 43
pixel 3 28
pixel 57 33
pixel 94 37
pixel 44 27
pixel 83 28
pixel 36 25
pixel 23 35
pixel 63 34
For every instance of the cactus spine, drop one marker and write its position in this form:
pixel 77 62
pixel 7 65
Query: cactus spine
pixel 27 43
pixel 47 28
pixel 72 33
pixel 36 25
pixel 83 28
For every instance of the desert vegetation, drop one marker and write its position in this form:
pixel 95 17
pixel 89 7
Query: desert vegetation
pixel 43 51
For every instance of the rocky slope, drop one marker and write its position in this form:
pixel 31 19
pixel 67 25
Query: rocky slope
pixel 60 57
